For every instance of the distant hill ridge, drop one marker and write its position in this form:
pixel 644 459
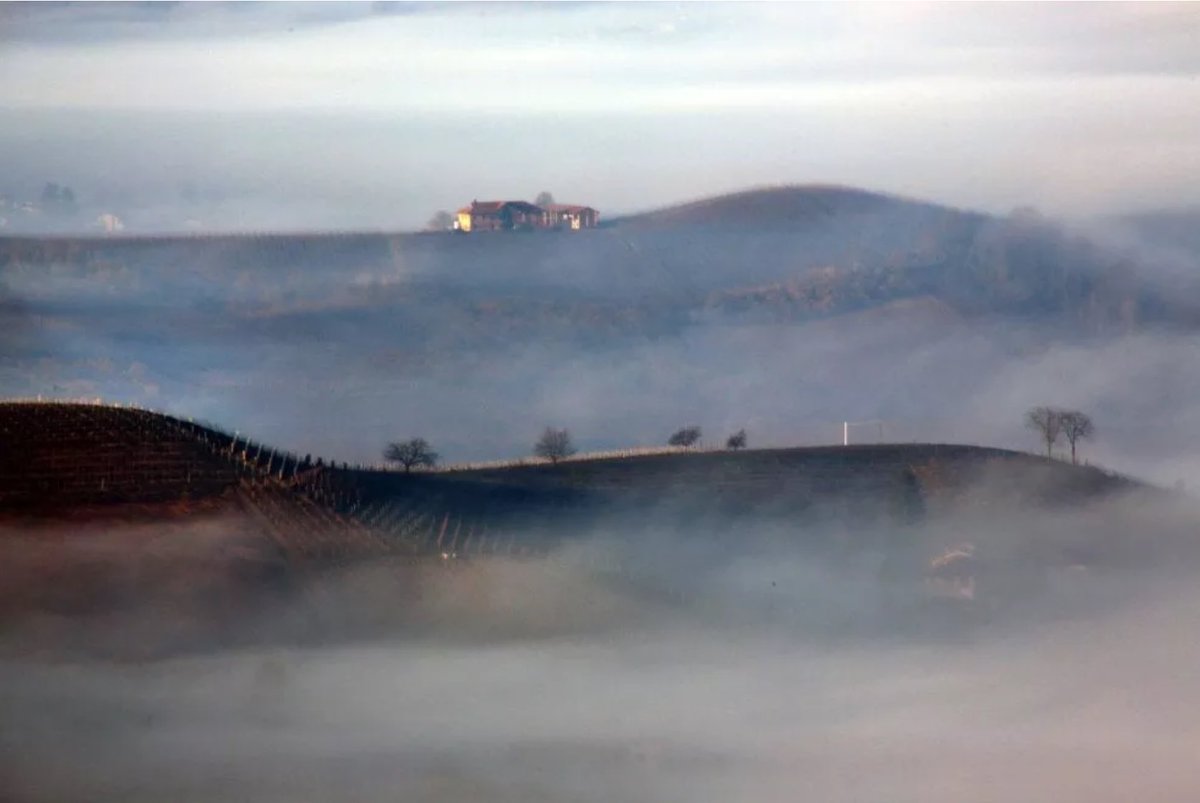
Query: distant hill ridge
pixel 795 203
pixel 791 204
pixel 786 254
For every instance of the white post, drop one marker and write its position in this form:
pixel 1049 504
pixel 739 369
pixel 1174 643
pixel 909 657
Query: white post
pixel 845 433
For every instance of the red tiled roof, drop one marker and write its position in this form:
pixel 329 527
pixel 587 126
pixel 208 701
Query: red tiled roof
pixel 572 208
pixel 523 206
pixel 495 207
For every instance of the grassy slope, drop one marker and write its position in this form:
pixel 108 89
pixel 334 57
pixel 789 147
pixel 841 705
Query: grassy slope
pixel 851 483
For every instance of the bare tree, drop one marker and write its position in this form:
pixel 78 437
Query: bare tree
pixel 1076 426
pixel 554 445
pixel 409 453
pixel 441 221
pixel 736 441
pixel 688 436
pixel 1047 422
pixel 544 198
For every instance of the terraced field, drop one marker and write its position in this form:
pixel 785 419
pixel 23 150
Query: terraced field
pixel 85 462
pixel 60 455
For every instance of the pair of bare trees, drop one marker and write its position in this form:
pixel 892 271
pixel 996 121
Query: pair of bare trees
pixel 1051 424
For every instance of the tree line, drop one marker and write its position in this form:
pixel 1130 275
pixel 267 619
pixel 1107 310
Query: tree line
pixel 553 445
pixel 1052 425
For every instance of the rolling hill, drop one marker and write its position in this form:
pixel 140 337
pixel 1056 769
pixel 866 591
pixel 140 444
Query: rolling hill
pixel 113 515
pixel 81 461
pixel 785 207
pixel 829 250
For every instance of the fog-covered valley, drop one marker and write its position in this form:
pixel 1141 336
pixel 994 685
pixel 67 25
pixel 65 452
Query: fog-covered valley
pixel 866 568
pixel 693 665
pixel 973 645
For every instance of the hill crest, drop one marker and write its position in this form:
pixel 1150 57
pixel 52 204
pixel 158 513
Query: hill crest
pixel 794 204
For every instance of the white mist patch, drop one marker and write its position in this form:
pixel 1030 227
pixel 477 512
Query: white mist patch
pixel 1095 712
pixel 713 669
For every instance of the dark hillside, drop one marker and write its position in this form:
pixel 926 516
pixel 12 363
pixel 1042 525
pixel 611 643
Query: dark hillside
pixel 111 511
pixel 850 470
pixel 76 463
pixel 822 498
pixel 65 455
pixel 62 456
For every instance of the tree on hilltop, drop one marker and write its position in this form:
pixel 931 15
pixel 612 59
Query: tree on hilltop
pixel 1047 422
pixel 554 445
pixel 688 436
pixel 409 453
pixel 544 198
pixel 1076 426
pixel 736 441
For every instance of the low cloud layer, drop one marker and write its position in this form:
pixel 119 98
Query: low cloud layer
pixel 694 717
pixel 740 676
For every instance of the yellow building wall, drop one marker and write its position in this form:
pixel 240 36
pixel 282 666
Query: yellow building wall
pixel 464 221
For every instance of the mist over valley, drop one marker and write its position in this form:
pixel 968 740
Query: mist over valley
pixel 599 402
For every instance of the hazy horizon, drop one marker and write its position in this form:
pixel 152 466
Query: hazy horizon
pixel 299 116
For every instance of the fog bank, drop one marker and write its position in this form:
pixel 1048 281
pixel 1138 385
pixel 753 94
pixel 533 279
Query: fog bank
pixel 695 666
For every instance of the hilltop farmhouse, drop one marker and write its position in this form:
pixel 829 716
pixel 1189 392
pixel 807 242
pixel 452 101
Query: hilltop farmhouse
pixel 523 216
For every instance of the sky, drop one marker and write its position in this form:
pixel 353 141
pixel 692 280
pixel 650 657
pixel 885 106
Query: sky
pixel 328 115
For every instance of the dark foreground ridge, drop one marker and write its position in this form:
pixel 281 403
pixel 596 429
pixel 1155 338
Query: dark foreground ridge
pixel 80 461
pixel 131 533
